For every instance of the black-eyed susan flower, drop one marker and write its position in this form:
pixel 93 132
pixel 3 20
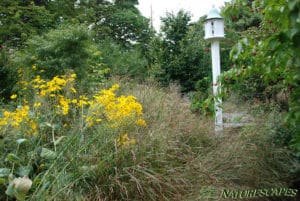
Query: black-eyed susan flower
pixel 14 96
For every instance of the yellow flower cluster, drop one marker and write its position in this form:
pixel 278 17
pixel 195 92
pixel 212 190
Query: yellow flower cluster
pixel 60 97
pixel 53 89
pixel 17 117
pixel 116 110
pixel 64 105
pixel 125 141
pixel 55 85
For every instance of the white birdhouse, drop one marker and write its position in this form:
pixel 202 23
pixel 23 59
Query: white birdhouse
pixel 214 25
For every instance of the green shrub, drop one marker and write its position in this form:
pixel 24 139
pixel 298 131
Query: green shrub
pixel 202 99
pixel 123 62
pixel 6 76
pixel 69 47
pixel 266 56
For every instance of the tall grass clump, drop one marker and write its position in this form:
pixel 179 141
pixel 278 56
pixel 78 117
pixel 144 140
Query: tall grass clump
pixel 179 157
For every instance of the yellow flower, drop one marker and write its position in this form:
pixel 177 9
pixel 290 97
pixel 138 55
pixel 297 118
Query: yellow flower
pixel 34 127
pixel 37 104
pixel 73 89
pixel 82 101
pixel 3 122
pixel 24 83
pixel 115 87
pixel 43 93
pixel 141 122
pixel 6 114
pixel 125 141
pixel 64 105
pixel 14 96
pixel 122 138
pixel 89 121
pixel 33 67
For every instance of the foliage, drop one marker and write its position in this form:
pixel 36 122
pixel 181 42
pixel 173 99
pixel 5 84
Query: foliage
pixel 6 75
pixel 202 99
pixel 120 21
pixel 174 29
pixel 240 16
pixel 20 20
pixel 184 57
pixel 265 58
pixel 123 61
pixel 294 33
pixel 58 51
pixel 177 145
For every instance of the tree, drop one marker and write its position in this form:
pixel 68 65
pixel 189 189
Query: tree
pixel 121 21
pixel 195 62
pixel 174 29
pixel 20 19
pixel 185 54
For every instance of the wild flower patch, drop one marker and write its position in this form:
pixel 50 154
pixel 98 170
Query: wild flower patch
pixel 54 110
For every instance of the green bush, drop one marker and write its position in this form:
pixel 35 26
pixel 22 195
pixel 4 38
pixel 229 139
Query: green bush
pixel 202 98
pixel 6 75
pixel 123 62
pixel 69 47
pixel 266 57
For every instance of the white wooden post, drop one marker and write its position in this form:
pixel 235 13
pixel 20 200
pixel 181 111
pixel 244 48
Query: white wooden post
pixel 214 32
pixel 216 71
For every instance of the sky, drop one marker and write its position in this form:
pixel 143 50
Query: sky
pixel 197 8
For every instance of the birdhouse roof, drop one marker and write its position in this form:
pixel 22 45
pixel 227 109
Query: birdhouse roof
pixel 213 14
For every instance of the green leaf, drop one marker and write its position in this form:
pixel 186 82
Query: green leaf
pixel 48 154
pixel 4 172
pixel 24 171
pixel 10 190
pixel 292 4
pixel 13 158
pixel 2 181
